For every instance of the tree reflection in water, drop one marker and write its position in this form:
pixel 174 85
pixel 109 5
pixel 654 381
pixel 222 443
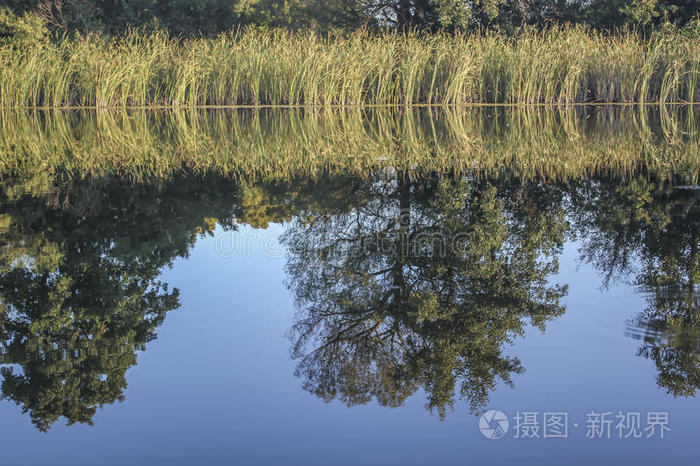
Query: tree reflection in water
pixel 403 282
pixel 78 280
pixel 647 233
pixel 419 283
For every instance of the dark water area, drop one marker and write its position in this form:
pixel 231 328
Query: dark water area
pixel 537 304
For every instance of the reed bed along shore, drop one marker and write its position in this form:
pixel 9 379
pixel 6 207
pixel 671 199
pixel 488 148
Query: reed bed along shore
pixel 565 143
pixel 561 65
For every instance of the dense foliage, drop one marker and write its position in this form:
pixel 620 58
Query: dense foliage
pixel 194 17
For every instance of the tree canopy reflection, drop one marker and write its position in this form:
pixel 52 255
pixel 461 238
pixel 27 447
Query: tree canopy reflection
pixel 403 282
pixel 79 287
pixel 647 233
pixel 419 283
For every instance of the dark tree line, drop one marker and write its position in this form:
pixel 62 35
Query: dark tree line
pixel 194 17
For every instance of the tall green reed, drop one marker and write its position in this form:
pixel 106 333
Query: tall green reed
pixel 557 144
pixel 560 65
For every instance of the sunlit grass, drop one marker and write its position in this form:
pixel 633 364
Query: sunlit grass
pixel 561 65
pixel 560 144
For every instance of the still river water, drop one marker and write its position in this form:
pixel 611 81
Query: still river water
pixel 241 287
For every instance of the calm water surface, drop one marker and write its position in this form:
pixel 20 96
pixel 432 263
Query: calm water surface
pixel 209 313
